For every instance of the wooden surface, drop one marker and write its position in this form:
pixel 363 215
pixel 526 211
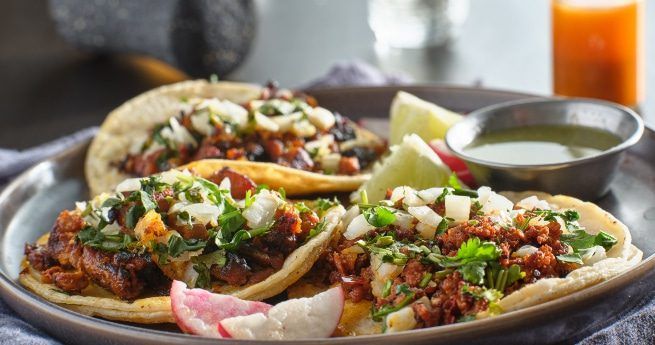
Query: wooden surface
pixel 49 89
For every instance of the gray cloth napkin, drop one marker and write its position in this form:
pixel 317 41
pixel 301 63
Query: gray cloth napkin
pixel 634 327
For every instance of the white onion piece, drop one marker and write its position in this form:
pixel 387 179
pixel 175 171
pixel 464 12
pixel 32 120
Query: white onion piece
pixel 458 207
pixel 525 251
pixel 303 129
pixel 532 202
pixel 263 122
pixel 358 227
pixel 426 231
pixel 401 320
pixel 400 192
pixel 262 210
pixel 593 255
pixel 496 203
pixel 172 176
pixel 285 122
pixel 330 162
pixel 382 272
pixel 129 185
pixel 321 118
pixel 483 194
pixel 323 142
pixel 412 199
pixel 226 110
pixel 200 122
pixel 430 195
pixel 350 215
pixel 425 215
pixel 180 134
pixel 225 184
pixel 403 220
pixel 203 213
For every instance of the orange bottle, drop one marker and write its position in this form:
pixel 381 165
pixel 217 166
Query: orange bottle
pixel 598 49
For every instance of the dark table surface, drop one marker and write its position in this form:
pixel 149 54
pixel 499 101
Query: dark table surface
pixel 50 89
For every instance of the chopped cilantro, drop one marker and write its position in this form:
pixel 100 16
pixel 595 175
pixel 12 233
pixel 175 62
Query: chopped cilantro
pixel 379 216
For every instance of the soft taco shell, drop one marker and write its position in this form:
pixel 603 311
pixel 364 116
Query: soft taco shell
pixel 96 301
pixel 620 258
pixel 130 124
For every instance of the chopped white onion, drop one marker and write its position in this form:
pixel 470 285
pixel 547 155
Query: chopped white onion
pixel 321 118
pixel 263 122
pixel 261 211
pixel 483 194
pixel 350 215
pixel 426 231
pixel 525 251
pixel 303 129
pixel 458 207
pixel 425 215
pixel 496 203
pixel 430 195
pixel 399 193
pixel 225 184
pixel 129 185
pixel 172 176
pixel 401 320
pixel 322 143
pixel 593 255
pixel 203 213
pixel 382 272
pixel 179 133
pixel 357 227
pixel 200 122
pixel 403 220
pixel 226 110
pixel 330 162
pixel 532 202
pixel 285 122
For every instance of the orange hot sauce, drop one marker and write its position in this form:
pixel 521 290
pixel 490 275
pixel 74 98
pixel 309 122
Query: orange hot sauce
pixel 598 49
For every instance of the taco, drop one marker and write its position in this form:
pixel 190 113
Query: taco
pixel 116 255
pixel 444 255
pixel 275 135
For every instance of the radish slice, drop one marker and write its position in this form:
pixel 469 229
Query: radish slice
pixel 301 318
pixel 199 311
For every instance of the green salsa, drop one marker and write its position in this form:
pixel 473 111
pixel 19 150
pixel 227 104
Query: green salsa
pixel 542 144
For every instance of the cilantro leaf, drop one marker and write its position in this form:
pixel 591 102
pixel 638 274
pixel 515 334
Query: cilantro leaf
pixel 177 245
pixel 571 258
pixel 473 271
pixel 379 216
pixel 580 240
pixel 134 213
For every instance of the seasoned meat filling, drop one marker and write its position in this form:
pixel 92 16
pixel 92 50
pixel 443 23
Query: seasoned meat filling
pixel 280 127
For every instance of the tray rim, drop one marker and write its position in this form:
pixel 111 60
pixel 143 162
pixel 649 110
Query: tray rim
pixel 11 288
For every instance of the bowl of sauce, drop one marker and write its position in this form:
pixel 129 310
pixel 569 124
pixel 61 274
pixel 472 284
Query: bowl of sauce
pixel 560 146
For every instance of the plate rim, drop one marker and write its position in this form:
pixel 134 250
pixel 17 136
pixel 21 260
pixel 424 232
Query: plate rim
pixel 10 287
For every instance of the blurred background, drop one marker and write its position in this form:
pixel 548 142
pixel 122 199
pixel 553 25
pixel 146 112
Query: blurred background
pixel 51 88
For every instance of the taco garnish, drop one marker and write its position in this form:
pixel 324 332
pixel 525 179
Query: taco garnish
pixel 222 233
pixel 445 255
pixel 276 126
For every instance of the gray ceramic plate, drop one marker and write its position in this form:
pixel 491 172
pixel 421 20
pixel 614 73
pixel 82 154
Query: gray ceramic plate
pixel 30 204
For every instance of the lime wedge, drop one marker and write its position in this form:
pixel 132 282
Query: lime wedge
pixel 412 115
pixel 412 163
